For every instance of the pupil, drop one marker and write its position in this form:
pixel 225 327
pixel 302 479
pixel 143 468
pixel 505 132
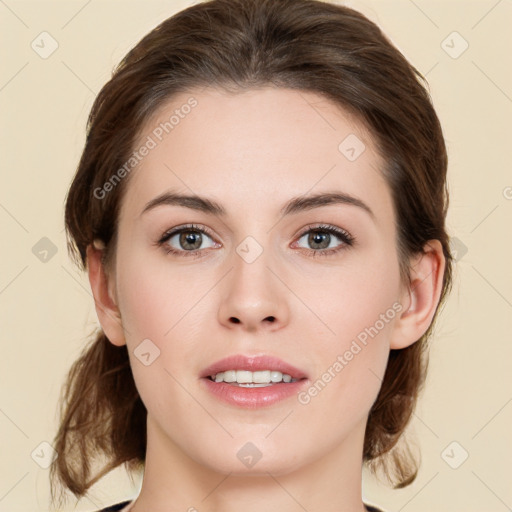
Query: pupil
pixel 190 240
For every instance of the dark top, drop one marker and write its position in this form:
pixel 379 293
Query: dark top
pixel 120 506
pixel 116 507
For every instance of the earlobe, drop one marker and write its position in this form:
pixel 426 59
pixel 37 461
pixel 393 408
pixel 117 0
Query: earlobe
pixel 104 300
pixel 421 297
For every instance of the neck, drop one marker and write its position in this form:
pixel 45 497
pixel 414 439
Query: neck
pixel 174 482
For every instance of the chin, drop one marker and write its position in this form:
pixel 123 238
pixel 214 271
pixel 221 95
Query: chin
pixel 256 458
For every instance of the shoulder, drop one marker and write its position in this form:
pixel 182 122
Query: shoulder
pixel 118 507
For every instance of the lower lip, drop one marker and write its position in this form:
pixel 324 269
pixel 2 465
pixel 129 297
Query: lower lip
pixel 252 398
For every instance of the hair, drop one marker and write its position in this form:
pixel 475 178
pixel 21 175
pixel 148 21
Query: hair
pixel 237 45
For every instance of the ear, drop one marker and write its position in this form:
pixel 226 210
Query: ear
pixel 104 296
pixel 421 298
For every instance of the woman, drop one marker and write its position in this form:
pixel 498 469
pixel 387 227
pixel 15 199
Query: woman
pixel 260 206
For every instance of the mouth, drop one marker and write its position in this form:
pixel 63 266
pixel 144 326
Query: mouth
pixel 248 379
pixel 263 369
pixel 252 381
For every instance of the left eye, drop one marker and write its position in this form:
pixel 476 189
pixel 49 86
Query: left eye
pixel 325 238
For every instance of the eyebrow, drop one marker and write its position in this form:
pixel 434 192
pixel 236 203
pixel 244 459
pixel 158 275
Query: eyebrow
pixel 301 203
pixel 294 206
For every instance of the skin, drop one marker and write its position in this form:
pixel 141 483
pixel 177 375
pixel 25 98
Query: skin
pixel 252 152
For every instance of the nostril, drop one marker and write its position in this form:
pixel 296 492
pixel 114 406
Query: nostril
pixel 270 319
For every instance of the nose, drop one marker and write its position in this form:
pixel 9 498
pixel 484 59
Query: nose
pixel 253 298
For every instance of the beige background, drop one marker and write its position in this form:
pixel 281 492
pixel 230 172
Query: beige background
pixel 46 307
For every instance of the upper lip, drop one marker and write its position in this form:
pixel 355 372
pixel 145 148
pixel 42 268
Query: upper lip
pixel 253 364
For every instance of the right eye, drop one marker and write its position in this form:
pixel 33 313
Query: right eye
pixel 186 240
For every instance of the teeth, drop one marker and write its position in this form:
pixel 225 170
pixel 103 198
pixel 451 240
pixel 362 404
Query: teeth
pixel 246 378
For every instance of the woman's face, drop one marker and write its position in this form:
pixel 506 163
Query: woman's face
pixel 264 279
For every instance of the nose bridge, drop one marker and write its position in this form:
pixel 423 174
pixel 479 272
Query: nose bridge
pixel 253 296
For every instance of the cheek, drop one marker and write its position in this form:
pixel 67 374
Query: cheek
pixel 169 306
pixel 156 297
pixel 161 303
pixel 349 298
pixel 358 308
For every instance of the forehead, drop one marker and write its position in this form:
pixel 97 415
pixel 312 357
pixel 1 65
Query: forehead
pixel 257 146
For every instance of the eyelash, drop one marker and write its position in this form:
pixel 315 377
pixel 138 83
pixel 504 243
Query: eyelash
pixel 346 238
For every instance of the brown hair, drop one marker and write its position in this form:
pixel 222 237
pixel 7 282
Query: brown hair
pixel 241 44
